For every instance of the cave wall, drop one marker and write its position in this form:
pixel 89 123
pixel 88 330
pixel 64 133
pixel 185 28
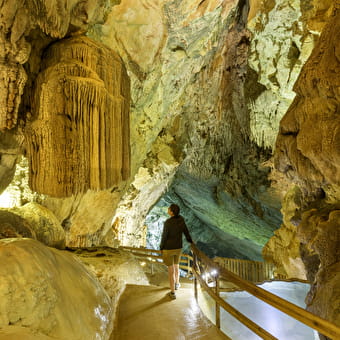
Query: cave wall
pixel 18 19
pixel 307 151
pixel 223 118
pixel 210 82
pixel 28 28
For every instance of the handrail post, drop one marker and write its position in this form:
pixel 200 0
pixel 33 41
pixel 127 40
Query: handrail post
pixel 188 266
pixel 194 267
pixel 195 287
pixel 217 307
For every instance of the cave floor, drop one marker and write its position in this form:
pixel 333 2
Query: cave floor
pixel 147 313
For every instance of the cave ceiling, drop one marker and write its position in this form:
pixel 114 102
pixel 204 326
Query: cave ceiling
pixel 208 84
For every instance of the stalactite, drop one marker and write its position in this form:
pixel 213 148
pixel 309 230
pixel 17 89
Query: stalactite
pixel 12 80
pixel 79 138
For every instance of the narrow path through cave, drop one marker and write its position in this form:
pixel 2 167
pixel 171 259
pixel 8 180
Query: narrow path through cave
pixel 147 313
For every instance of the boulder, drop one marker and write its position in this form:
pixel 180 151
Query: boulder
pixel 32 221
pixel 12 225
pixel 50 292
pixel 46 226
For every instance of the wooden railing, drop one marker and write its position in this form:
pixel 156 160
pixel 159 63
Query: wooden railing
pixel 205 270
pixel 155 256
pixel 209 274
pixel 254 271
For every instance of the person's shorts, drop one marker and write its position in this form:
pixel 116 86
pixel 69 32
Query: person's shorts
pixel 171 256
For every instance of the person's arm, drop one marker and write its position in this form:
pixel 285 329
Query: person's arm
pixel 164 236
pixel 186 232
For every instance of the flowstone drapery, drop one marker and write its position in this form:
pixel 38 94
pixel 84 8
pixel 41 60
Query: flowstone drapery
pixel 79 136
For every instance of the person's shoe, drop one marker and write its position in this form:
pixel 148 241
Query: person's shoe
pixel 177 285
pixel 172 295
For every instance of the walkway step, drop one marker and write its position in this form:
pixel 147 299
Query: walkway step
pixel 147 313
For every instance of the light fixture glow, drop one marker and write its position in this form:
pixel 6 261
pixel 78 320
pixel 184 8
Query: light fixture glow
pixel 7 200
pixel 213 272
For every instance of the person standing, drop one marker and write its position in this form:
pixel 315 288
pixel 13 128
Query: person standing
pixel 171 245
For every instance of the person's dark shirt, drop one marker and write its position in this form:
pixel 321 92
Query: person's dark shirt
pixel 173 229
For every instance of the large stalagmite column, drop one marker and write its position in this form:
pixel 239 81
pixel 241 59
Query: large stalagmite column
pixel 78 138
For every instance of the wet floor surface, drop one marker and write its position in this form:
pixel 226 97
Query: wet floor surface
pixel 147 313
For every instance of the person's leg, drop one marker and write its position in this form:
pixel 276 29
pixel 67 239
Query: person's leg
pixel 177 259
pixel 171 278
pixel 176 272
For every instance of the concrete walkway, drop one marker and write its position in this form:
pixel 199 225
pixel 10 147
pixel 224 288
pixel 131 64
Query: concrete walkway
pixel 147 313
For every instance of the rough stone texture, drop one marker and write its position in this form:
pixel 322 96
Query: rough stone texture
pixel 47 228
pixel 189 84
pixel 33 221
pixel 283 249
pixel 18 191
pixel 202 62
pixel 86 218
pixel 319 231
pixel 42 289
pixel 12 225
pixel 308 145
pixel 324 297
pixel 307 151
pixel 204 107
pixel 18 18
pixel 149 184
pixel 8 158
pixel 19 333
pixel 283 36
pixel 114 269
pixel 79 135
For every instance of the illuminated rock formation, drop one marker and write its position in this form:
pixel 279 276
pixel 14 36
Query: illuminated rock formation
pixel 79 136
pixel 45 225
pixel 308 152
pixel 210 83
pixel 43 289
pixel 17 20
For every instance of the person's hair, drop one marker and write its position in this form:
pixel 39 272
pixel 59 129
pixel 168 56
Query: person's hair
pixel 175 209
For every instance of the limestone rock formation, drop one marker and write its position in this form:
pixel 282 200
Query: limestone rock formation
pixel 47 228
pixel 51 293
pixel 307 151
pixel 32 221
pixel 319 231
pixel 17 20
pixel 114 268
pixel 19 333
pixel 283 36
pixel 79 136
pixel 283 249
pixel 210 82
pixel 86 218
pixel 308 145
pixel 8 157
pixel 12 225
pixel 200 121
pixel 18 192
